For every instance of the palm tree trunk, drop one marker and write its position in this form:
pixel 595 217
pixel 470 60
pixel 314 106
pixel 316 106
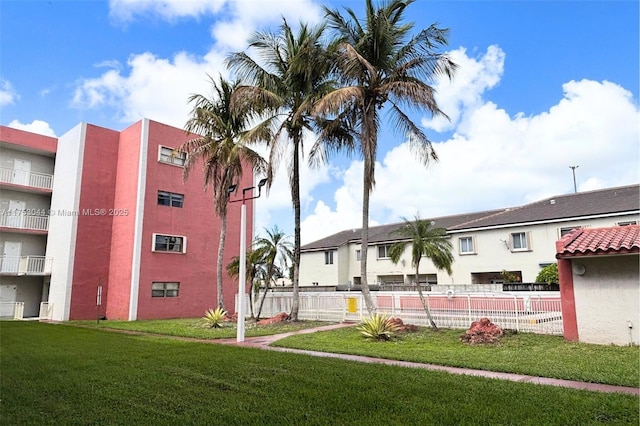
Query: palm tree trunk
pixel 369 142
pixel 424 303
pixel 264 295
pixel 295 195
pixel 251 300
pixel 223 232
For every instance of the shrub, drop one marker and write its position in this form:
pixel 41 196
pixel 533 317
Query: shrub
pixel 548 274
pixel 214 317
pixel 379 327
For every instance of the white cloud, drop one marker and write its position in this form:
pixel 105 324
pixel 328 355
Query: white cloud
pixel 494 160
pixel 235 19
pixel 158 88
pixel 36 126
pixel 170 10
pixel 464 92
pixel 246 16
pixel 8 95
pixel 277 203
pixel 155 88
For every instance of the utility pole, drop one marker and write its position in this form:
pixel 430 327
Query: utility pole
pixel 573 170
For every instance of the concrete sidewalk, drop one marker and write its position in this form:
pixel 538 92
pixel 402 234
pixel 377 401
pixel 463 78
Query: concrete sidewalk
pixel 263 342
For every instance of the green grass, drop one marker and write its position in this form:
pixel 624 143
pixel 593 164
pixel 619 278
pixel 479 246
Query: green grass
pixel 196 327
pixel 523 353
pixel 62 375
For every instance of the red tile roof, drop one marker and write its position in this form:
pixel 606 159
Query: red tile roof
pixel 599 241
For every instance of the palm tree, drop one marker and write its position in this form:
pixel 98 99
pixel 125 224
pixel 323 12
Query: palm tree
pixel 291 74
pixel 432 243
pixel 380 65
pixel 275 249
pixel 220 148
pixel 256 272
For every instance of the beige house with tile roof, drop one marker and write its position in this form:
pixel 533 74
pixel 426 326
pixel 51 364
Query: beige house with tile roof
pixel 520 240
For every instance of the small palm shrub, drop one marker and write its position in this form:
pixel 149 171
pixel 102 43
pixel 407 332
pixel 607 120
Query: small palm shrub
pixel 379 327
pixel 214 317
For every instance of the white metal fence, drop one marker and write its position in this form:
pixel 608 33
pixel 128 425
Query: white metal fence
pixel 17 220
pixel 25 265
pixel 535 313
pixel 13 310
pixel 22 177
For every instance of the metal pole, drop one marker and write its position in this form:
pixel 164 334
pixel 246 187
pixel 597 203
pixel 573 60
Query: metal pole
pixel 243 271
pixel 573 170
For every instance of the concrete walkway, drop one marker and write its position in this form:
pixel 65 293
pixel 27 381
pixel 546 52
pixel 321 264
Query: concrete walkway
pixel 263 342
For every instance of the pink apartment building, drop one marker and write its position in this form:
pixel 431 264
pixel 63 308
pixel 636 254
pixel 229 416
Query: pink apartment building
pixel 99 207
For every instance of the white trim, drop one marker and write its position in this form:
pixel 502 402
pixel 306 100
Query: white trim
pixel 542 222
pixel 137 233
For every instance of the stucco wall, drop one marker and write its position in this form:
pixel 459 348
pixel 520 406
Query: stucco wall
pixel 607 296
pixel 61 240
pixel 39 163
pixel 492 255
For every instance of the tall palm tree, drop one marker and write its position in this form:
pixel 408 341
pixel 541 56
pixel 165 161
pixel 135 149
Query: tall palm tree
pixel 256 272
pixel 275 249
pixel 425 241
pixel 220 148
pixel 381 65
pixel 291 73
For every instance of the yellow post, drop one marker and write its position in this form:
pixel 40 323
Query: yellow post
pixel 352 305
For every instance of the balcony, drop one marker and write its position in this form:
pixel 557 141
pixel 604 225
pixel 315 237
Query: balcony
pixel 25 265
pixel 27 223
pixel 22 178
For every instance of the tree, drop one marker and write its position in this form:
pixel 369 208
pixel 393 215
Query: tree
pixel 256 272
pixel 432 243
pixel 291 75
pixel 379 65
pixel 275 249
pixel 548 274
pixel 221 150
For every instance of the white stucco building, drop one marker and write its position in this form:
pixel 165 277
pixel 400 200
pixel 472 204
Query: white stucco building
pixel 520 240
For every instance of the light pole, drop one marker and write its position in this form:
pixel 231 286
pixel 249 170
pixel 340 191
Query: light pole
pixel 573 170
pixel 243 252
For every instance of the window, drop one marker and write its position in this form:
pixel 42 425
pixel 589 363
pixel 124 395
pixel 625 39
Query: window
pixel 170 199
pixel 565 231
pixel 169 243
pixel 383 251
pixel 519 241
pixel 466 245
pixel 165 289
pixel 169 156
pixel 358 255
pixel 627 223
pixel 328 257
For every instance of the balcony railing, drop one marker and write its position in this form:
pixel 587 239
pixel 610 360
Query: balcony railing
pixel 21 177
pixel 26 222
pixel 13 310
pixel 25 265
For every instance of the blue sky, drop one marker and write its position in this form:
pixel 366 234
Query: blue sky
pixel 541 85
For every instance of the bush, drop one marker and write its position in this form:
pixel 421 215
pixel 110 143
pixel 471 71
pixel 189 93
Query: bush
pixel 214 317
pixel 379 327
pixel 548 274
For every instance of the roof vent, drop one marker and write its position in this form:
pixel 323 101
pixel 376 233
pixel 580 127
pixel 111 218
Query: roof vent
pixel 552 201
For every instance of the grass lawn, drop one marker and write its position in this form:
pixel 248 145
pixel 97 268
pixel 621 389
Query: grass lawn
pixel 57 374
pixel 523 353
pixel 197 328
